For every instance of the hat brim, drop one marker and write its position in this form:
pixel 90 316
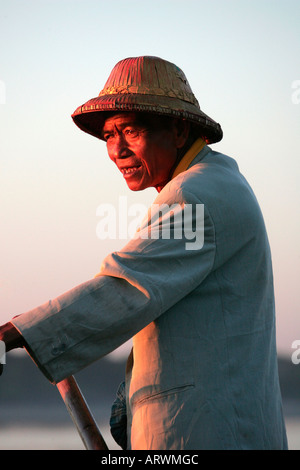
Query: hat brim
pixel 90 116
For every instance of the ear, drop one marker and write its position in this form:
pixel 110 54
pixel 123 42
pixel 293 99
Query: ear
pixel 181 129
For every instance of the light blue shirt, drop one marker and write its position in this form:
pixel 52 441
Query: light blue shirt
pixel 204 365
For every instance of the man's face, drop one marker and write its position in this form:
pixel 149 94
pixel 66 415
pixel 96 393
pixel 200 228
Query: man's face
pixel 143 150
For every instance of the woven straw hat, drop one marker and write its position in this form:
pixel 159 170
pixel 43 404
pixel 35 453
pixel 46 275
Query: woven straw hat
pixel 146 84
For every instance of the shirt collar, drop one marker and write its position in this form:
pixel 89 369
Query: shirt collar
pixel 187 159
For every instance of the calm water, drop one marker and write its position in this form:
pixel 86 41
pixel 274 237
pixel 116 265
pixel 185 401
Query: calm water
pixel 66 437
pixel 43 438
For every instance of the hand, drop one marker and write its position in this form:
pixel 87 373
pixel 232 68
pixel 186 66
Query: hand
pixel 11 337
pixel 118 418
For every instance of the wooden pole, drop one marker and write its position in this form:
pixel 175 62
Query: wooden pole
pixel 81 415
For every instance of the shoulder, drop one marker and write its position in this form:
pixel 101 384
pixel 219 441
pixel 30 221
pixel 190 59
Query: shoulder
pixel 204 179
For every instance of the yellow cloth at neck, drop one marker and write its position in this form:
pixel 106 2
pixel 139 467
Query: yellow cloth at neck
pixel 189 156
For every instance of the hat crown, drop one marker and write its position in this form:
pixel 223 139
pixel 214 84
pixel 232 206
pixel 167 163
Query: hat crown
pixel 146 84
pixel 149 75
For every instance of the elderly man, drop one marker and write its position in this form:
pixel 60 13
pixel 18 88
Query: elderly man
pixel 203 370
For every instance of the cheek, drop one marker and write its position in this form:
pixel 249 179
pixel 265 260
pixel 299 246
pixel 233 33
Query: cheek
pixel 109 151
pixel 166 159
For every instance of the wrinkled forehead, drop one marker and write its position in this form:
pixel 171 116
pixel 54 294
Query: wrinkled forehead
pixel 121 118
pixel 137 119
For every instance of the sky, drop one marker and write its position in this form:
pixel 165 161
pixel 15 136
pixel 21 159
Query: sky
pixel 241 59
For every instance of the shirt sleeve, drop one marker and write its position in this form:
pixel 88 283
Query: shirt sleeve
pixel 169 256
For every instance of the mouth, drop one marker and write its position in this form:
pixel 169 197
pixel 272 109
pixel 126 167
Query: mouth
pixel 130 170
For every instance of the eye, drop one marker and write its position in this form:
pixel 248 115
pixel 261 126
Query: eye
pixel 131 133
pixel 107 136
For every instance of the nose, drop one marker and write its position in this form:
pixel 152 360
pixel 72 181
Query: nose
pixel 118 147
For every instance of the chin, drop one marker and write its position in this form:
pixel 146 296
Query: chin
pixel 135 189
pixel 137 186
